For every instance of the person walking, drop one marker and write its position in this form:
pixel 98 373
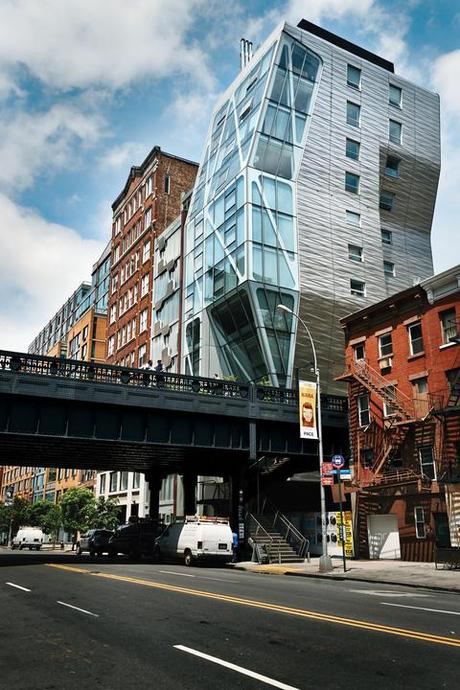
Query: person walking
pixel 234 546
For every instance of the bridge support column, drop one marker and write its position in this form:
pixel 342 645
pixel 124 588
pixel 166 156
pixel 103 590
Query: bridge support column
pixel 237 511
pixel 190 493
pixel 154 480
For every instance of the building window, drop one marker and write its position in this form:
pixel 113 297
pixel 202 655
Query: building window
pixel 143 321
pixel 364 415
pixel 84 351
pixel 136 480
pixel 395 95
pixel 395 131
pixel 144 285
pixel 352 182
pixel 353 114
pixel 113 313
pixel 415 338
pixel 387 237
pixel 147 218
pixel 352 149
pixel 420 527
pixel 167 184
pixel 392 166
pixel 420 387
pixel 389 410
pixel 123 481
pixel 448 325
pixel 387 200
pixel 146 252
pixel 113 482
pixel 142 356
pixel 357 288
pixel 355 253
pixel 148 186
pixel 358 352
pixel 353 76
pixel 85 333
pixel 102 484
pixel 427 464
pixel 353 218
pixel 388 268
pixel 385 345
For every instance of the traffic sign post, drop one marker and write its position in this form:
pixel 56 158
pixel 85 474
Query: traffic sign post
pixel 338 461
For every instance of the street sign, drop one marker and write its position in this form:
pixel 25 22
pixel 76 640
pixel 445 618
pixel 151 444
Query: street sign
pixel 338 461
pixel 327 481
pixel 343 473
pixel 326 468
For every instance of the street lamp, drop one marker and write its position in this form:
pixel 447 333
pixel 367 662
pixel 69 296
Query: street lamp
pixel 325 563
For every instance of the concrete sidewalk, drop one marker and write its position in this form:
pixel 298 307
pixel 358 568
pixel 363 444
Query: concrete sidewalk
pixel 380 572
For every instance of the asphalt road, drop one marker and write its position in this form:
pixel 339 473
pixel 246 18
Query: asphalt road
pixel 68 623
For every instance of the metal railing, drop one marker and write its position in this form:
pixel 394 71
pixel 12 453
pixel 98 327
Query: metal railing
pixel 255 529
pixel 56 367
pixel 281 524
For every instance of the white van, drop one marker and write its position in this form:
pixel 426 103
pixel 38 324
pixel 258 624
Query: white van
pixel 28 537
pixel 196 538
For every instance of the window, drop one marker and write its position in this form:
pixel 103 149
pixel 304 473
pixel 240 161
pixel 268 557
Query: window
pixel 357 288
pixel 113 482
pixel 427 464
pixel 85 332
pixel 167 184
pixel 387 237
pixel 389 410
pixel 358 352
pixel 146 252
pixel 355 253
pixel 388 268
pixel 144 285
pixel 102 484
pixel 352 149
pixel 420 387
pixel 84 351
pixel 142 356
pixel 420 527
pixel 147 218
pixel 113 313
pixel 143 321
pixel 148 186
pixel 387 200
pixel 385 345
pixel 353 76
pixel 364 416
pixel 353 218
pixel 352 182
pixel 394 96
pixel 448 325
pixel 395 131
pixel 123 481
pixel 415 338
pixel 392 166
pixel 353 114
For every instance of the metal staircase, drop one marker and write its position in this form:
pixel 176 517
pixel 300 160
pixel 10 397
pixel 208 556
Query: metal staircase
pixel 273 534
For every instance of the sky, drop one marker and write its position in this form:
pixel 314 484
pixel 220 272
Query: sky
pixel 88 87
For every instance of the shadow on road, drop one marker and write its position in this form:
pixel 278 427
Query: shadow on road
pixel 14 558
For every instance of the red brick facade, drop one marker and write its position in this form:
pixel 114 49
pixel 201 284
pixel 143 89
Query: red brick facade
pixel 149 202
pixel 402 369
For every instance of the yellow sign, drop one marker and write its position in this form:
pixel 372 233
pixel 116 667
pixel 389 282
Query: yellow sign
pixel 307 410
pixel 348 525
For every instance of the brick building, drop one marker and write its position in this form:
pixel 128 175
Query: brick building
pixel 403 365
pixel 149 202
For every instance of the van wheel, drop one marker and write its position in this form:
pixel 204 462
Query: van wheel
pixel 188 558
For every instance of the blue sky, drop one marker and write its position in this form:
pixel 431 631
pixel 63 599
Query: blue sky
pixel 88 87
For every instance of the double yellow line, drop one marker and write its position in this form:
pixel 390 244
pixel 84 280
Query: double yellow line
pixel 301 613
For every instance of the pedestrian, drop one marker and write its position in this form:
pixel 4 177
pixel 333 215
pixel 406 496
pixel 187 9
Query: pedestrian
pixel 234 546
pixel 159 366
pixel 74 541
pixel 149 365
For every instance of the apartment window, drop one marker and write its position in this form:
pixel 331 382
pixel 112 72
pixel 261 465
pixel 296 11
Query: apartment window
pixel 148 186
pixel 392 166
pixel 352 149
pixel 415 338
pixel 395 95
pixel 113 313
pixel 353 76
pixel 143 321
pixel 144 285
pixel 387 200
pixel 353 218
pixel 448 325
pixel 84 351
pixel 355 253
pixel 123 481
pixel 389 409
pixel 142 356
pixel 387 237
pixel 167 184
pixel 395 131
pixel 420 527
pixel 136 480
pixel 420 387
pixel 102 484
pixel 146 252
pixel 85 332
pixel 113 481
pixel 385 345
pixel 357 288
pixel 358 352
pixel 388 268
pixel 427 464
pixel 364 415
pixel 353 114
pixel 352 182
pixel 147 218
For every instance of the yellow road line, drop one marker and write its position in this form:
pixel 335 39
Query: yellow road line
pixel 302 613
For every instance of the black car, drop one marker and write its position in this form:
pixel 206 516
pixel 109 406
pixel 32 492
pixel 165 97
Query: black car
pixel 136 539
pixel 96 541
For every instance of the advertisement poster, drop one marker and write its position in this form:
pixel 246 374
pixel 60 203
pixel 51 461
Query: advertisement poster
pixel 307 410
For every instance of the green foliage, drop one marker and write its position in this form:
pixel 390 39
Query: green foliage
pixel 104 513
pixel 46 515
pixel 76 506
pixel 20 513
pixel 5 517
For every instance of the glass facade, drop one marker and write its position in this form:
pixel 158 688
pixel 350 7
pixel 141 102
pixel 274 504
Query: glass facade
pixel 241 235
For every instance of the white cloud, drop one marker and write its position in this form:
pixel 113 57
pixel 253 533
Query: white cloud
pixel 123 156
pixel 83 43
pixel 445 78
pixel 41 264
pixel 37 143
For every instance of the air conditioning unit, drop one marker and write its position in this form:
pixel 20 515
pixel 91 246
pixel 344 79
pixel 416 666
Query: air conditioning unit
pixel 386 363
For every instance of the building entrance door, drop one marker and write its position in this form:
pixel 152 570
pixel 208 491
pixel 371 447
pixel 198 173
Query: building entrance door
pixel 383 536
pixel 442 529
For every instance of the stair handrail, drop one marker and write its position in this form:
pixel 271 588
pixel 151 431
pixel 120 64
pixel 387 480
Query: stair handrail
pixel 302 540
pixel 360 366
pixel 267 534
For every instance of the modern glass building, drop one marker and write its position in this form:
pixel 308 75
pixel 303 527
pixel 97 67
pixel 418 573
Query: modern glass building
pixel 315 190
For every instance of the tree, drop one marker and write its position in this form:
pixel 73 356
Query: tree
pixel 20 513
pixel 104 513
pixel 5 517
pixel 76 505
pixel 46 515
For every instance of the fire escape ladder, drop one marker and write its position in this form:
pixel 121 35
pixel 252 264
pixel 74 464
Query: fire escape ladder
pixel 394 437
pixel 401 404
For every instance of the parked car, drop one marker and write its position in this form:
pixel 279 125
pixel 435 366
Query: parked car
pixel 96 541
pixel 135 539
pixel 196 538
pixel 28 537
